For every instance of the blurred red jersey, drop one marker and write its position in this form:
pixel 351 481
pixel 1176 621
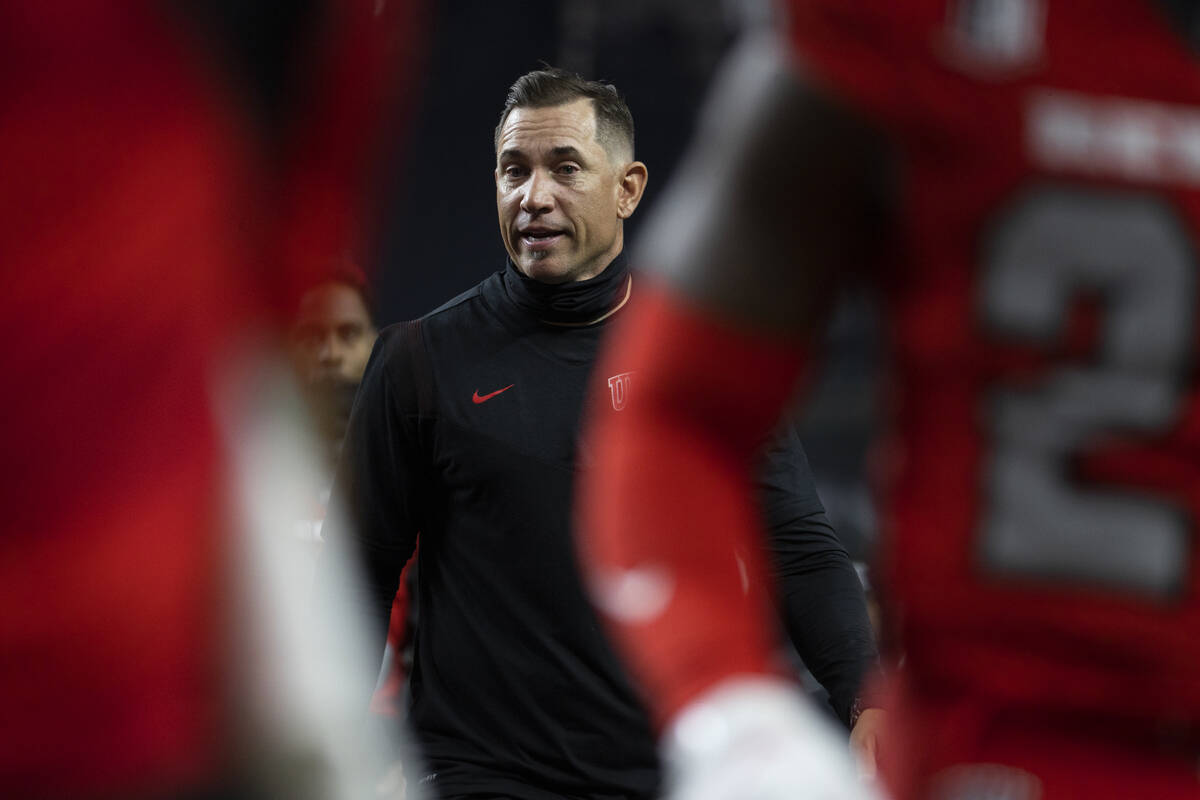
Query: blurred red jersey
pixel 133 240
pixel 1045 468
pixel 122 277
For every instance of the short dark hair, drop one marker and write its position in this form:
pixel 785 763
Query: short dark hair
pixel 348 273
pixel 343 270
pixel 552 86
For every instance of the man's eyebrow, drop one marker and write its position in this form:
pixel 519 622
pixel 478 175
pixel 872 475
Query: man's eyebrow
pixel 305 327
pixel 568 152
pixel 562 151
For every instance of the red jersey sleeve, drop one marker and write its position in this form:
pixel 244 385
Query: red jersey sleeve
pixel 667 506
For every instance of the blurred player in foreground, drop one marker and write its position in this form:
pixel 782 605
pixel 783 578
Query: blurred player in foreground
pixel 149 248
pixel 1021 179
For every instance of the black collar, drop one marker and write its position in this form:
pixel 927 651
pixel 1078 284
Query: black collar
pixel 576 304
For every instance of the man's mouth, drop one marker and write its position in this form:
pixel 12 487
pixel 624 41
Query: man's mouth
pixel 540 238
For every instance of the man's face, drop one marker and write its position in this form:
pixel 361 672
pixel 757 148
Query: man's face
pixel 561 197
pixel 333 334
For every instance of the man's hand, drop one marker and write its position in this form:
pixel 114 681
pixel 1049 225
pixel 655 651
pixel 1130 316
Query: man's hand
pixel 756 738
pixel 865 740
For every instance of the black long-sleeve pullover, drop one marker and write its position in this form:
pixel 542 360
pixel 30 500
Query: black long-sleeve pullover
pixel 465 432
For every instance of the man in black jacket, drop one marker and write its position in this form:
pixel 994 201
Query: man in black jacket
pixel 465 431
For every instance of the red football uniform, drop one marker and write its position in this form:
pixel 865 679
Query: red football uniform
pixel 1043 478
pixel 1039 535
pixel 131 233
pixel 121 265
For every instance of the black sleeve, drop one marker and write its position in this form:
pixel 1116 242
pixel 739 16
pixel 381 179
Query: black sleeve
pixel 823 605
pixel 375 508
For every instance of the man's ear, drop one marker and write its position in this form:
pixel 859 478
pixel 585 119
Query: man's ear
pixel 632 184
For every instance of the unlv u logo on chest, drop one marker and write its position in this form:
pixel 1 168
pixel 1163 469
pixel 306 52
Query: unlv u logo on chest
pixel 618 385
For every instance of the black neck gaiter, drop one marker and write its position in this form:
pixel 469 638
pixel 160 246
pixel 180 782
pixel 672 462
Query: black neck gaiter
pixel 577 303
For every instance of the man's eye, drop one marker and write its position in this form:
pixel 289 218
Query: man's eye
pixel 514 172
pixel 568 169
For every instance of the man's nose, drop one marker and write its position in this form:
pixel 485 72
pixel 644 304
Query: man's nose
pixel 539 193
pixel 329 351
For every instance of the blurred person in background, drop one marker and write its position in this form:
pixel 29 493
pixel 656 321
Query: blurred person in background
pixel 1020 178
pixel 332 335
pixel 465 430
pixel 330 339
pixel 145 165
